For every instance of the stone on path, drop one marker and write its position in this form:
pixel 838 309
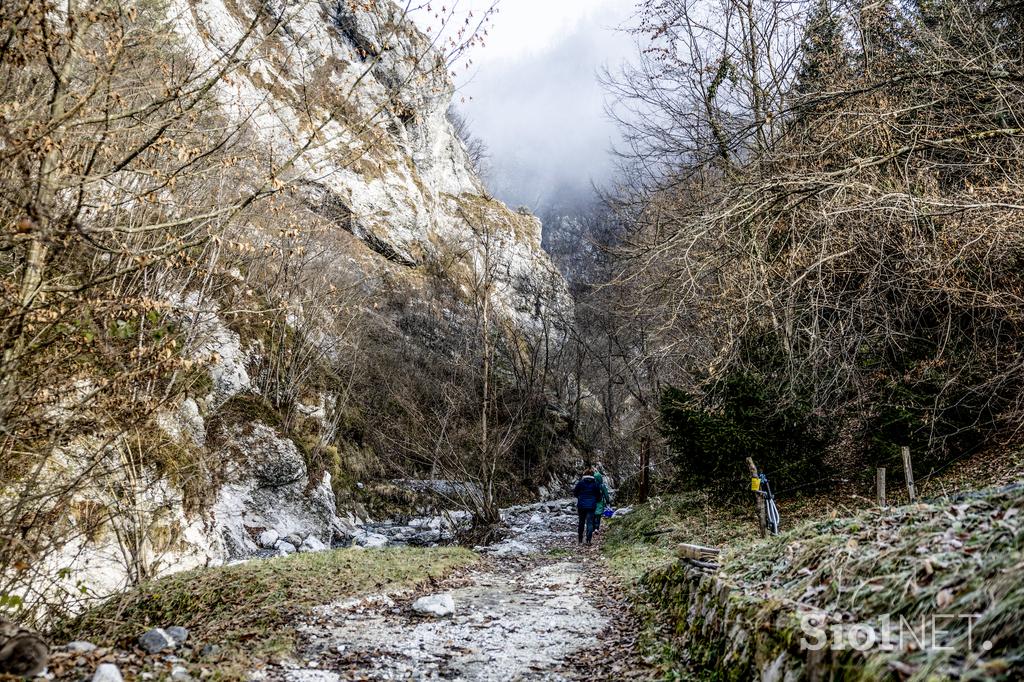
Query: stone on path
pixel 156 640
pixel 80 647
pixel 439 605
pixel 107 672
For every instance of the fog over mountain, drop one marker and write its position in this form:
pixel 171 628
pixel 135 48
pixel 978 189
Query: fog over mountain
pixel 538 105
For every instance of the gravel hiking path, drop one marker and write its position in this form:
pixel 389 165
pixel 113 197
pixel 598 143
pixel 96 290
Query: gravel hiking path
pixel 537 607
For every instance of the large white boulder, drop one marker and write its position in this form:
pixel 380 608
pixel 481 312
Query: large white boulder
pixel 268 538
pixel 439 605
pixel 268 488
pixel 311 544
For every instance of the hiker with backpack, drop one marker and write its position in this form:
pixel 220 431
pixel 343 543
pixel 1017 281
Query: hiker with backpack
pixel 588 495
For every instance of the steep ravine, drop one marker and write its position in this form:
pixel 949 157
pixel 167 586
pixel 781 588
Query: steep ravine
pixel 393 197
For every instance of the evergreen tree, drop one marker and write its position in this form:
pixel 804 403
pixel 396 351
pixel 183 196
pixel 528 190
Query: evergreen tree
pixel 885 38
pixel 824 57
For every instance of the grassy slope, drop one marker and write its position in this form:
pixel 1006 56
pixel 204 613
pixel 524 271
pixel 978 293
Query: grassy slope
pixel 961 556
pixel 247 608
pixel 839 554
pixel 646 538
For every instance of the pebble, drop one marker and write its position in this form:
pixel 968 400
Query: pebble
pixel 80 647
pixel 209 650
pixel 107 672
pixel 156 640
pixel 180 673
pixel 178 633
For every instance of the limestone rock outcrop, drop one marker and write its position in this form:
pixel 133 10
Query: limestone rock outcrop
pixel 351 103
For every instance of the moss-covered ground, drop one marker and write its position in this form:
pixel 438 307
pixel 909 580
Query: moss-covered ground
pixel 642 544
pixel 852 565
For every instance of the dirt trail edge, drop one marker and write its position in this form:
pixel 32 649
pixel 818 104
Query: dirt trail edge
pixel 536 608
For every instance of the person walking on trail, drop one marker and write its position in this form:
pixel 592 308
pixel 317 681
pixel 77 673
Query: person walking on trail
pixel 588 494
pixel 605 500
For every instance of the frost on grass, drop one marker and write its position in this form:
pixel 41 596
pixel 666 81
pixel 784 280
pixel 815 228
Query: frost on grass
pixel 947 573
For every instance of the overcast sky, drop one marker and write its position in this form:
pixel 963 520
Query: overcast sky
pixel 533 96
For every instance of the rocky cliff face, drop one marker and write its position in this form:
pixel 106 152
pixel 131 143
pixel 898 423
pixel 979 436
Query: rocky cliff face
pixel 384 163
pixel 349 102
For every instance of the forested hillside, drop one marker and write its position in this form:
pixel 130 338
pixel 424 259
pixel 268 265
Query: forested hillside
pixel 250 279
pixel 822 231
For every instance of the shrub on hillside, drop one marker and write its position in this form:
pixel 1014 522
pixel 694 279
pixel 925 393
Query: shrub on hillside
pixel 938 406
pixel 743 415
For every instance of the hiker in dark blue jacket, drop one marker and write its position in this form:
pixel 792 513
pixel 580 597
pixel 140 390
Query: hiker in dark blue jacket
pixel 588 493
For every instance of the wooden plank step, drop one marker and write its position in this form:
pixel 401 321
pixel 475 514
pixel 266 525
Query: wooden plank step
pixel 696 552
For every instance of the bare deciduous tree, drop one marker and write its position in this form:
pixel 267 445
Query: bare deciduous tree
pixel 844 179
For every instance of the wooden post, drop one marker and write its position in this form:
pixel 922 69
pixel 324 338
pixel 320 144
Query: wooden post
pixel 645 476
pixel 762 510
pixel 908 471
pixel 880 485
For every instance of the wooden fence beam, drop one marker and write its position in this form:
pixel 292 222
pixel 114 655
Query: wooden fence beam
pixel 880 486
pixel 697 552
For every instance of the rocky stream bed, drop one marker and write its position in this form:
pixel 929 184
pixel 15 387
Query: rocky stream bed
pixel 536 608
